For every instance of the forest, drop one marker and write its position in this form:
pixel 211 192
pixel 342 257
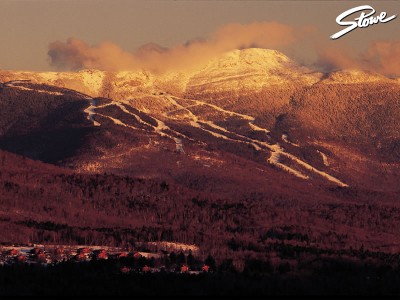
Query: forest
pixel 323 277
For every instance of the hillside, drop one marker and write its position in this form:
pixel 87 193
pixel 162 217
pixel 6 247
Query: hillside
pixel 249 150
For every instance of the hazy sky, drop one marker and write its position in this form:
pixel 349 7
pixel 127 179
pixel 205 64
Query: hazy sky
pixel 29 26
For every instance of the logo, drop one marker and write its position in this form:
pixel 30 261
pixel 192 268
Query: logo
pixel 365 19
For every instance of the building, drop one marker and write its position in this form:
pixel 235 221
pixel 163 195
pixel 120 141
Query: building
pixel 184 269
pixel 205 268
pixel 146 269
pixel 100 254
pixel 12 252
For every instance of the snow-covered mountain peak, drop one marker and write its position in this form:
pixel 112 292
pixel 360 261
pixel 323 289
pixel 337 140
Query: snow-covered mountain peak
pixel 248 59
pixel 249 69
pixel 351 76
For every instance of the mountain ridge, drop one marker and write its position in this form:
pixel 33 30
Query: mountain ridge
pixel 265 66
pixel 256 98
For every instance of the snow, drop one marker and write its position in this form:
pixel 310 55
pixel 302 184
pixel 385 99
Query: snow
pixel 324 158
pixel 93 80
pixel 234 71
pixel 311 168
pixel 13 83
pixel 285 138
pixel 276 150
pixel 179 145
pixel 90 112
pixel 249 69
pixel 220 109
pixel 257 128
pixel 176 246
pixel 352 76
pixel 251 58
pixel 274 159
pixel 159 129
pixel 49 76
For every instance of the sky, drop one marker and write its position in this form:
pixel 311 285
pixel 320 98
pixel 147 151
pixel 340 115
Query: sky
pixel 106 34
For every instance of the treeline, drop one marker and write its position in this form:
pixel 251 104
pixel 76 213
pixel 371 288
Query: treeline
pixel 325 277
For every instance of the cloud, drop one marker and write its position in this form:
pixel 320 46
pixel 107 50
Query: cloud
pixel 334 57
pixel 380 56
pixel 383 57
pixel 75 54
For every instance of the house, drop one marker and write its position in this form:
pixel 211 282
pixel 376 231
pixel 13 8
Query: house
pixel 123 254
pixel 100 254
pixel 84 250
pixel 125 270
pixel 80 257
pixel 146 269
pixel 184 269
pixel 20 258
pixel 13 252
pixel 205 268
pixel 36 251
pixel 59 250
pixel 41 257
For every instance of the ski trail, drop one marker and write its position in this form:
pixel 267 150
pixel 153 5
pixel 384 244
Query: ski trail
pixel 13 82
pixel 91 113
pixel 138 118
pixel 196 123
pixel 23 88
pixel 286 140
pixel 161 126
pixel 276 150
pixel 179 145
pixel 257 128
pixel 324 158
pixel 231 113
pixel 158 129
pixel 195 118
pixel 311 168
pixel 119 122
pixel 304 164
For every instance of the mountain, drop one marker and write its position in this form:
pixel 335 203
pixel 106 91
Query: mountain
pixel 248 143
pixel 257 99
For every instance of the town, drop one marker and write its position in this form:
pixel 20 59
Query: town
pixel 128 260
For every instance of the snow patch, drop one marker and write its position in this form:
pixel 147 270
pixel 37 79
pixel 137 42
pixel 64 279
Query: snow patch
pixel 90 112
pixel 285 138
pixel 324 158
pixel 93 80
pixel 257 128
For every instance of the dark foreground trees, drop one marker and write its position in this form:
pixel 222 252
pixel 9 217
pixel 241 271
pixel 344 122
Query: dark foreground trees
pixel 105 278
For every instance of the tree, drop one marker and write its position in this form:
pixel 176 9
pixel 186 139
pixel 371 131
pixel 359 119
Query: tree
pixel 181 258
pixel 172 257
pixel 210 261
pixel 191 261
